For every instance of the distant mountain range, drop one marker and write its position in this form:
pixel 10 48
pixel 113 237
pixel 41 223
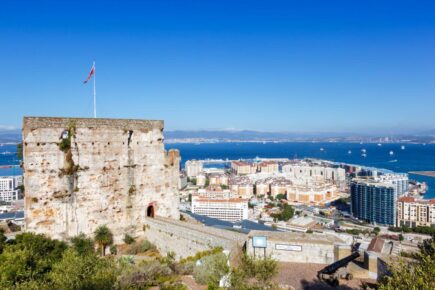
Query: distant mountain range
pixel 10 136
pixel 257 136
pixel 207 136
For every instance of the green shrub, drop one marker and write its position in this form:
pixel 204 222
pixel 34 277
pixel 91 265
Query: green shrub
pixel 211 269
pixel 146 245
pixel 83 272
pixel 139 247
pixel 184 268
pixel 199 255
pixel 145 275
pixel 82 245
pixel 28 258
pixel 128 239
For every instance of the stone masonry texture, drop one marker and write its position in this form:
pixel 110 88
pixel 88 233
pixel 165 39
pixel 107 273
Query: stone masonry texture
pixel 83 173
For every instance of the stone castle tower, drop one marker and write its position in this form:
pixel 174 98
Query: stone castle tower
pixel 83 173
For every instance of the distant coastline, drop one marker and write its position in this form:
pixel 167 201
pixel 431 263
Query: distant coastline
pixel 423 173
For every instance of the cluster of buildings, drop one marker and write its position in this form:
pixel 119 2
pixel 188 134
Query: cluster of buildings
pixel 376 197
pixel 301 181
pixel 224 194
pixel 384 199
pixel 9 188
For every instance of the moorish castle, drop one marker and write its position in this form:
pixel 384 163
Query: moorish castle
pixel 83 173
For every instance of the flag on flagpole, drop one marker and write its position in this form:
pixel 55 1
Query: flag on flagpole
pixel 91 73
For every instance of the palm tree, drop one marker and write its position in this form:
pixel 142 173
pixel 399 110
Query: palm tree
pixel 103 237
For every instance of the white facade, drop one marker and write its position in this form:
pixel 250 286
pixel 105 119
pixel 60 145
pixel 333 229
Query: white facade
pixel 200 179
pixel 9 195
pixel 7 188
pixel 399 180
pixel 414 212
pixel 193 168
pixel 305 171
pixel 229 209
pixel 7 183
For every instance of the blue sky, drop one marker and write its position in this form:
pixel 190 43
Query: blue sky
pixel 316 66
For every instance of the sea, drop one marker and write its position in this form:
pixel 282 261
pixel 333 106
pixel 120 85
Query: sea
pixel 411 157
pixel 404 157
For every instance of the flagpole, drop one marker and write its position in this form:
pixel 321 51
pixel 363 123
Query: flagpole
pixel 95 92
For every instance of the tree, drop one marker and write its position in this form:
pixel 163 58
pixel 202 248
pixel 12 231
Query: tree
pixel 103 237
pixel 82 245
pixel 286 213
pixel 28 258
pixel 417 273
pixel 376 230
pixel 75 271
pixel 281 196
pixel 401 238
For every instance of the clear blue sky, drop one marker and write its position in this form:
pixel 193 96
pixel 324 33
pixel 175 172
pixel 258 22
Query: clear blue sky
pixel 359 66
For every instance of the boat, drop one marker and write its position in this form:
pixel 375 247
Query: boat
pixel 391 152
pixel 349 152
pixel 379 144
pixel 321 149
pixel 364 155
pixel 363 150
pixel 402 147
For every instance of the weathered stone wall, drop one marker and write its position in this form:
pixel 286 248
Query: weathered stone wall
pixel 297 247
pixel 111 173
pixel 186 239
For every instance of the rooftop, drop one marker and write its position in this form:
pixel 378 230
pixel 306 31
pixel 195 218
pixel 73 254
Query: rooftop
pixel 298 237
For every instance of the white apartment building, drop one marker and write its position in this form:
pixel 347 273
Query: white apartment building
pixel 243 168
pixel 315 193
pixel 201 179
pixel 193 168
pixel 7 188
pixel 219 179
pixel 216 194
pixel 414 212
pixel 228 209
pixel 7 183
pixel 9 195
pixel 268 167
pixel 305 170
pixel 399 180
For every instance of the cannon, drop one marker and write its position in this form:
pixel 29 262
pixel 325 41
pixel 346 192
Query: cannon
pixel 332 273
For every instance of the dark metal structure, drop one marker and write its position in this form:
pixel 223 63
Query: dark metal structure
pixel 332 273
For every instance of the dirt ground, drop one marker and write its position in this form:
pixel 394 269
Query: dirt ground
pixel 303 276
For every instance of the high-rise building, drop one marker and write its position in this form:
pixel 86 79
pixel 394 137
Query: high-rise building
pixel 373 201
pixel 399 180
pixel 374 198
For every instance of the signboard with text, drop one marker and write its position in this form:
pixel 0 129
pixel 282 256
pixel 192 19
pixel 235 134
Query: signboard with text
pixel 259 242
pixel 286 247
